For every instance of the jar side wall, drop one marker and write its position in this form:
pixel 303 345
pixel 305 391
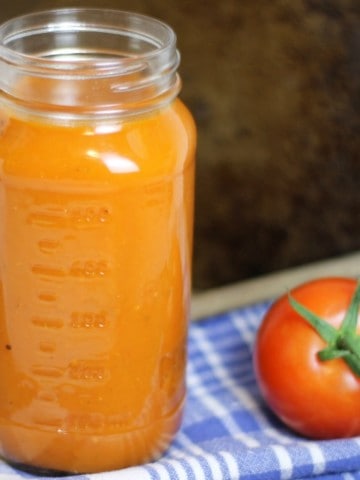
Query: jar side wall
pixel 98 336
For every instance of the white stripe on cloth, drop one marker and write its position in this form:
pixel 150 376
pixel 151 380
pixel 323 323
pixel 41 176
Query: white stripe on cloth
pixel 214 466
pixel 348 476
pixel 242 324
pixel 285 463
pixel 222 374
pixel 131 473
pixel 317 457
pixel 160 469
pixel 270 432
pixel 190 447
pixel 196 467
pixel 231 465
pixel 201 466
pixel 219 410
pixel 179 469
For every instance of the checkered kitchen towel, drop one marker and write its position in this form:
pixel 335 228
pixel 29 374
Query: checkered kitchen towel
pixel 228 433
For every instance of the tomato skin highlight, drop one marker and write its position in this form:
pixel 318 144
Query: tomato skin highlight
pixel 317 399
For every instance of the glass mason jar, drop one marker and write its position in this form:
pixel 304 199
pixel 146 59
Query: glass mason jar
pixel 96 214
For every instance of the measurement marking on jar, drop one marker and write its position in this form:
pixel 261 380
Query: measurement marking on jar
pixel 47 297
pixel 47 396
pixel 48 422
pixel 46 322
pixel 83 371
pixel 89 215
pixel 89 268
pixel 81 422
pixel 48 271
pixel 47 347
pixel 51 217
pixel 81 216
pixel 79 268
pixel 95 421
pixel 48 245
pixel 89 320
pixel 48 372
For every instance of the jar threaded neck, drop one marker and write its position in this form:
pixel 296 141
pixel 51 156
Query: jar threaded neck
pixel 85 62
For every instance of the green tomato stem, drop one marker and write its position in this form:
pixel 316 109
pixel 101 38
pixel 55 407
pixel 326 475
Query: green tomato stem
pixel 340 343
pixel 351 318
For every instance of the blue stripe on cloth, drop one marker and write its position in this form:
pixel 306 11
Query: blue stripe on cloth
pixel 227 432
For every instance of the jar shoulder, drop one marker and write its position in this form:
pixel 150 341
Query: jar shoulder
pixel 155 144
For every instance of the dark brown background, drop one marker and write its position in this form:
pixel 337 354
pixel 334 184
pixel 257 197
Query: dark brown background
pixel 274 88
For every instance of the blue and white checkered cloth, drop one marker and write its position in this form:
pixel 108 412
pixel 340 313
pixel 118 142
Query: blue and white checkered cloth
pixel 228 433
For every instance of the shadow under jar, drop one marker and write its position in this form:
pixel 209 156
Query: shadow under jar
pixel 96 220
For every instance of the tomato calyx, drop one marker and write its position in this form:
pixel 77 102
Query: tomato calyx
pixel 341 342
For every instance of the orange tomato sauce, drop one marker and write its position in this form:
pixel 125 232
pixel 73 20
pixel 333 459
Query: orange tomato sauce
pixel 95 264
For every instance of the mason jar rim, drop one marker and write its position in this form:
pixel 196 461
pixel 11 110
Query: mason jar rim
pixel 83 62
pixel 70 19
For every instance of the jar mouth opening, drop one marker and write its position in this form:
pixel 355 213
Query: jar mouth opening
pixel 79 39
pixel 88 60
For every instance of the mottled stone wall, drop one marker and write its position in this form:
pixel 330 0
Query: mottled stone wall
pixel 274 87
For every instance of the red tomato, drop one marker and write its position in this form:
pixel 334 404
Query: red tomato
pixel 318 399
